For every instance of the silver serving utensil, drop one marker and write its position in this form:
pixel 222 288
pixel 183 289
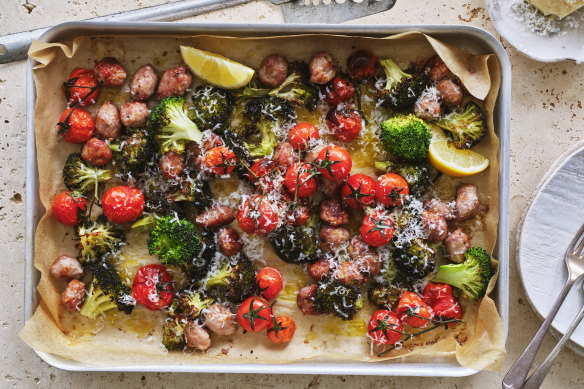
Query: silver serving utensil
pixel 330 11
pixel 574 259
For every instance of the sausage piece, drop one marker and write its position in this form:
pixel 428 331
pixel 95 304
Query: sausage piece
pixel 107 121
pixel 305 300
pixel 427 107
pixel 450 93
pixel 134 114
pixel 229 241
pixel 436 69
pixel 298 215
pixel 171 165
pixel 110 71
pixel 73 296
pixel 97 152
pixel 143 83
pixel 330 237
pixel 174 82
pixel 273 70
pixel 365 256
pixel 439 207
pixel 323 68
pixel 215 217
pixel 466 206
pixel 66 268
pixel 220 320
pixel 348 273
pixel 333 212
pixel 284 155
pixel 330 187
pixel 196 336
pixel 435 227
pixel 319 269
pixel 456 244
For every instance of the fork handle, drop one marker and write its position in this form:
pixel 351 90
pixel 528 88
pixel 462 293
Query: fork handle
pixel 515 378
pixel 536 379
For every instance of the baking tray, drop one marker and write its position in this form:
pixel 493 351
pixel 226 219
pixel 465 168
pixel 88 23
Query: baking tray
pixel 469 38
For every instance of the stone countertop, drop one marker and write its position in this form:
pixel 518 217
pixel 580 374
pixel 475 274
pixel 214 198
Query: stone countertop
pixel 546 119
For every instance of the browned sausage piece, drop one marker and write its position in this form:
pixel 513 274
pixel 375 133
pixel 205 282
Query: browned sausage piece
pixel 365 256
pixel 298 215
pixel 311 155
pixel 196 336
pixel 435 227
pixel 110 71
pixel 333 212
pixel 229 241
pixel 330 187
pixel 143 83
pixel 66 268
pixel 171 165
pixel 215 217
pixel 174 82
pixel 73 296
pixel 439 207
pixel 330 237
pixel 450 93
pixel 273 70
pixel 220 320
pixel 319 269
pixel 305 300
pixel 323 68
pixel 134 114
pixel 427 107
pixel 466 206
pixel 107 121
pixel 349 273
pixel 97 152
pixel 456 244
pixel 436 69
pixel 284 155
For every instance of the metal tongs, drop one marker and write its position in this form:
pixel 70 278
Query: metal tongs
pixel 516 377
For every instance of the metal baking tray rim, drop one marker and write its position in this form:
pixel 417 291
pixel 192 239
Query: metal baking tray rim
pixel 398 367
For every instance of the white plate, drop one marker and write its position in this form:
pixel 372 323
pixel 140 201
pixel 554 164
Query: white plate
pixel 550 223
pixel 559 40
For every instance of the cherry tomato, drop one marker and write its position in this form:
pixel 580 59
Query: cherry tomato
pixel 361 64
pixel 301 134
pixel 262 174
pixel 447 307
pixel 297 215
pixel 384 327
pixel 68 207
pixel 302 178
pixel 391 189
pixel 257 216
pixel 413 311
pixel 82 87
pixel 435 290
pixel 254 314
pixel 123 204
pixel 345 124
pixel 358 191
pixel 334 162
pixel 339 90
pixel 76 125
pixel 220 160
pixel 281 329
pixel 377 228
pixel 269 282
pixel 153 287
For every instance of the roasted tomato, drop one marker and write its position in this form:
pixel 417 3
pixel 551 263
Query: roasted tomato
pixel 339 90
pixel 269 282
pixel 76 125
pixel 262 174
pixel 361 64
pixel 257 216
pixel 447 307
pixel 220 160
pixel 153 287
pixel 297 215
pixel 334 162
pixel 384 327
pixel 377 228
pixel 82 87
pixel 301 134
pixel 413 311
pixel 68 207
pixel 301 179
pixel 254 314
pixel 345 124
pixel 123 204
pixel 281 329
pixel 391 189
pixel 358 191
pixel 434 291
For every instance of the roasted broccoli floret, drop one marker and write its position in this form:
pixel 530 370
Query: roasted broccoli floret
pixel 189 303
pixel 157 206
pixel 407 137
pixel 401 90
pixel 385 296
pixel 416 174
pixel 234 278
pixel 132 153
pixel 192 189
pixel 236 143
pixel 199 267
pixel 416 260
pixel 337 299
pixel 82 176
pixel 212 108
pixel 466 128
pixel 471 276
pixel 173 333
pixel 297 244
pixel 96 238
pixel 175 241
pixel 170 125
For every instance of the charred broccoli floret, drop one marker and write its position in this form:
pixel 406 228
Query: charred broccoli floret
pixel 170 125
pixel 407 137
pixel 82 176
pixel 175 241
pixel 234 278
pixel 297 244
pixel 401 90
pixel 416 260
pixel 466 128
pixel 384 296
pixel 471 276
pixel 132 153
pixel 157 206
pixel 189 303
pixel 199 267
pixel 337 299
pixel 236 143
pixel 416 174
pixel 194 190
pixel 96 238
pixel 173 333
pixel 212 108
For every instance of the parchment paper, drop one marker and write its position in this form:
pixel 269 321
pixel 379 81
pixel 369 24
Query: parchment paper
pixel 479 343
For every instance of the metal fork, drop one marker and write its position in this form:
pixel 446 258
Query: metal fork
pixel 574 259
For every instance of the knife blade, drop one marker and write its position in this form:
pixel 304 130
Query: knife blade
pixel 336 11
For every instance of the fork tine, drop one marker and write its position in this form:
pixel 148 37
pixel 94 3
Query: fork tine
pixel 578 238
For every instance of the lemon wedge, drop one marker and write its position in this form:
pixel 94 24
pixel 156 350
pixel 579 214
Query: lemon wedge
pixel 452 161
pixel 216 69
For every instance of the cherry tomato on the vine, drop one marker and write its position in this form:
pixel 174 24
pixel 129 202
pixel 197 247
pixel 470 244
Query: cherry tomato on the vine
pixel 391 189
pixel 123 204
pixel 361 64
pixel 257 216
pixel 339 90
pixel 76 125
pixel 300 179
pixel 153 287
pixel 384 327
pixel 82 87
pixel 254 314
pixel 345 124
pixel 435 290
pixel 297 214
pixel 413 311
pixel 377 228
pixel 68 207
pixel 220 160
pixel 447 308
pixel 269 282
pixel 281 329
pixel 334 162
pixel 358 191
pixel 301 134
pixel 263 172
